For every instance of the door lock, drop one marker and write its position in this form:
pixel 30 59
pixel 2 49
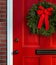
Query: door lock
pixel 16 40
pixel 15 52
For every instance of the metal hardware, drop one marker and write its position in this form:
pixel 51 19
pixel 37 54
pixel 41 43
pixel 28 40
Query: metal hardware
pixel 16 40
pixel 15 52
pixel 45 52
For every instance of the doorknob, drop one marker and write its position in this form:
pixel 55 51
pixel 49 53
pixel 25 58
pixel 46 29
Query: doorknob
pixel 15 52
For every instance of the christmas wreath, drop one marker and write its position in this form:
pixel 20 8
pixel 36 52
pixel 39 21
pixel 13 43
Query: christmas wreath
pixel 42 18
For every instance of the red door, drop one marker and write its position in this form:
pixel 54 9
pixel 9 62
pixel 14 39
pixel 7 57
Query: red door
pixel 28 47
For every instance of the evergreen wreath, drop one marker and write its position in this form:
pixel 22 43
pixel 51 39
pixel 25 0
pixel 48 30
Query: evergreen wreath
pixel 47 25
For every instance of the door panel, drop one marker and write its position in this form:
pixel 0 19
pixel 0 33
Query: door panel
pixel 53 41
pixel 47 61
pixel 29 39
pixel 54 60
pixel 31 61
pixel 27 43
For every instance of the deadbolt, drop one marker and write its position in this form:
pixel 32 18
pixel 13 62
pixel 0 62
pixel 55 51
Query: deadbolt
pixel 16 40
pixel 15 52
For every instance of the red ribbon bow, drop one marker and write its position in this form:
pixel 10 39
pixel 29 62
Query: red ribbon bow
pixel 44 16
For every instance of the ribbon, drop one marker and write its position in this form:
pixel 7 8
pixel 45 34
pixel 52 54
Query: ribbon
pixel 44 16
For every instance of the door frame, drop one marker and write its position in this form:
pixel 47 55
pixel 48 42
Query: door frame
pixel 9 32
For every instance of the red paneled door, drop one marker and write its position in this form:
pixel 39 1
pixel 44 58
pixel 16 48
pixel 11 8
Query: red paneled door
pixel 30 49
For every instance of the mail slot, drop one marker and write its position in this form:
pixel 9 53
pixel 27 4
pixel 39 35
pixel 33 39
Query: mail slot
pixel 45 52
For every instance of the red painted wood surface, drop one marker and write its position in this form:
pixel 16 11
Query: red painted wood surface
pixel 28 42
